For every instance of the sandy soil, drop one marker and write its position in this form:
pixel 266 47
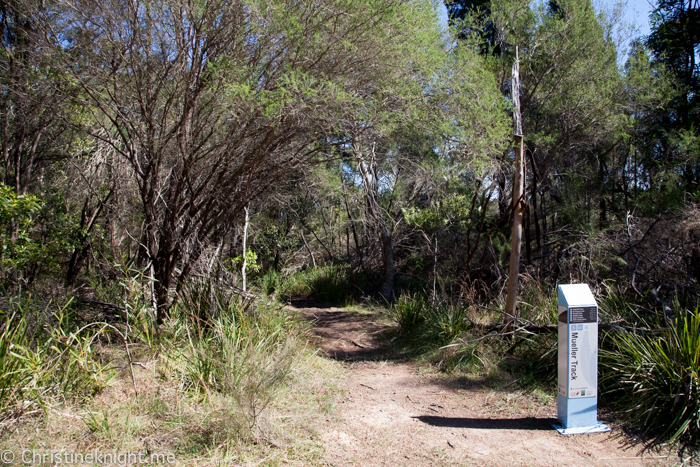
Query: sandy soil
pixel 393 413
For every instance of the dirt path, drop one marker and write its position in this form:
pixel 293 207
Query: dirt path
pixel 389 413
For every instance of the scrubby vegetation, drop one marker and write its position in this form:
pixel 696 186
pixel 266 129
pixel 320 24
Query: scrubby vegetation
pixel 651 377
pixel 175 174
pixel 649 364
pixel 204 383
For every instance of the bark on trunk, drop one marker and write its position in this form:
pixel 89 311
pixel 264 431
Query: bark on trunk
pixel 80 253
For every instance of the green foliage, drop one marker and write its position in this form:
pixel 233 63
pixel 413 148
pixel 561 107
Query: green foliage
pixel 674 42
pixel 538 302
pixel 329 284
pixel 269 283
pixel 251 259
pixel 429 324
pixel 454 211
pixel 202 300
pixel 245 350
pixel 35 234
pixel 653 378
pixel 409 312
pixel 17 217
pixel 44 358
pixel 444 333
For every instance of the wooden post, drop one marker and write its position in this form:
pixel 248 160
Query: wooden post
pixel 518 188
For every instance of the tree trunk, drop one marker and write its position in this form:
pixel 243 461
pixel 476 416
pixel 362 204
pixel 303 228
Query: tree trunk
pixel 311 253
pixel 245 248
pixel 518 185
pixel 161 286
pixel 516 236
pixel 75 264
pixel 358 248
pixel 386 240
pixel 87 222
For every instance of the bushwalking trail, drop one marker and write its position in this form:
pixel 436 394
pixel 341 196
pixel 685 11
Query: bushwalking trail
pixel 393 413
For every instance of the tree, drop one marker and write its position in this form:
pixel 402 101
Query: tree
pixel 474 17
pixel 675 43
pixel 570 101
pixel 213 103
pixel 33 96
pixel 441 100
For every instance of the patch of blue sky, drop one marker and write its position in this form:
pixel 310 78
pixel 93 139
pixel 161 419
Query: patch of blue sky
pixel 634 15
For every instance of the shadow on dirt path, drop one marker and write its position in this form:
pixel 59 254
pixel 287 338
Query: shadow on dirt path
pixel 389 411
pixel 347 336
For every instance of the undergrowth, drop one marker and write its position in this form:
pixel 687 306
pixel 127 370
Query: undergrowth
pixel 650 366
pixel 208 383
pixel 429 324
pixel 461 335
pixel 44 356
pixel 244 350
pixel 333 285
pixel 652 378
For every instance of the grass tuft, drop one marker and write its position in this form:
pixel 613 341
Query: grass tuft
pixel 426 324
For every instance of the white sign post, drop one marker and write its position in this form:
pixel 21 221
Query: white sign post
pixel 577 395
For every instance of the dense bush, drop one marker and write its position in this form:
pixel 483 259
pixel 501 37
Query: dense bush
pixel 17 248
pixel 214 343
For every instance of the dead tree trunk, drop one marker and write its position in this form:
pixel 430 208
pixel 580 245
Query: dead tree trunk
pixel 518 185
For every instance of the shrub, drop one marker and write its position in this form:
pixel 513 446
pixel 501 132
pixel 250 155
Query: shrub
pixel 269 283
pixel 430 324
pixel 409 312
pixel 654 379
pixel 330 284
pixel 17 248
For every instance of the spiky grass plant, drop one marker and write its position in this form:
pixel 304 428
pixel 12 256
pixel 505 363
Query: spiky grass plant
pixel 270 282
pixel 653 378
pixel 409 312
pixel 236 348
pixel 430 324
pixel 43 357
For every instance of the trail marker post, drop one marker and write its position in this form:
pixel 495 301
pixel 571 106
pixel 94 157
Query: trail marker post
pixel 577 394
